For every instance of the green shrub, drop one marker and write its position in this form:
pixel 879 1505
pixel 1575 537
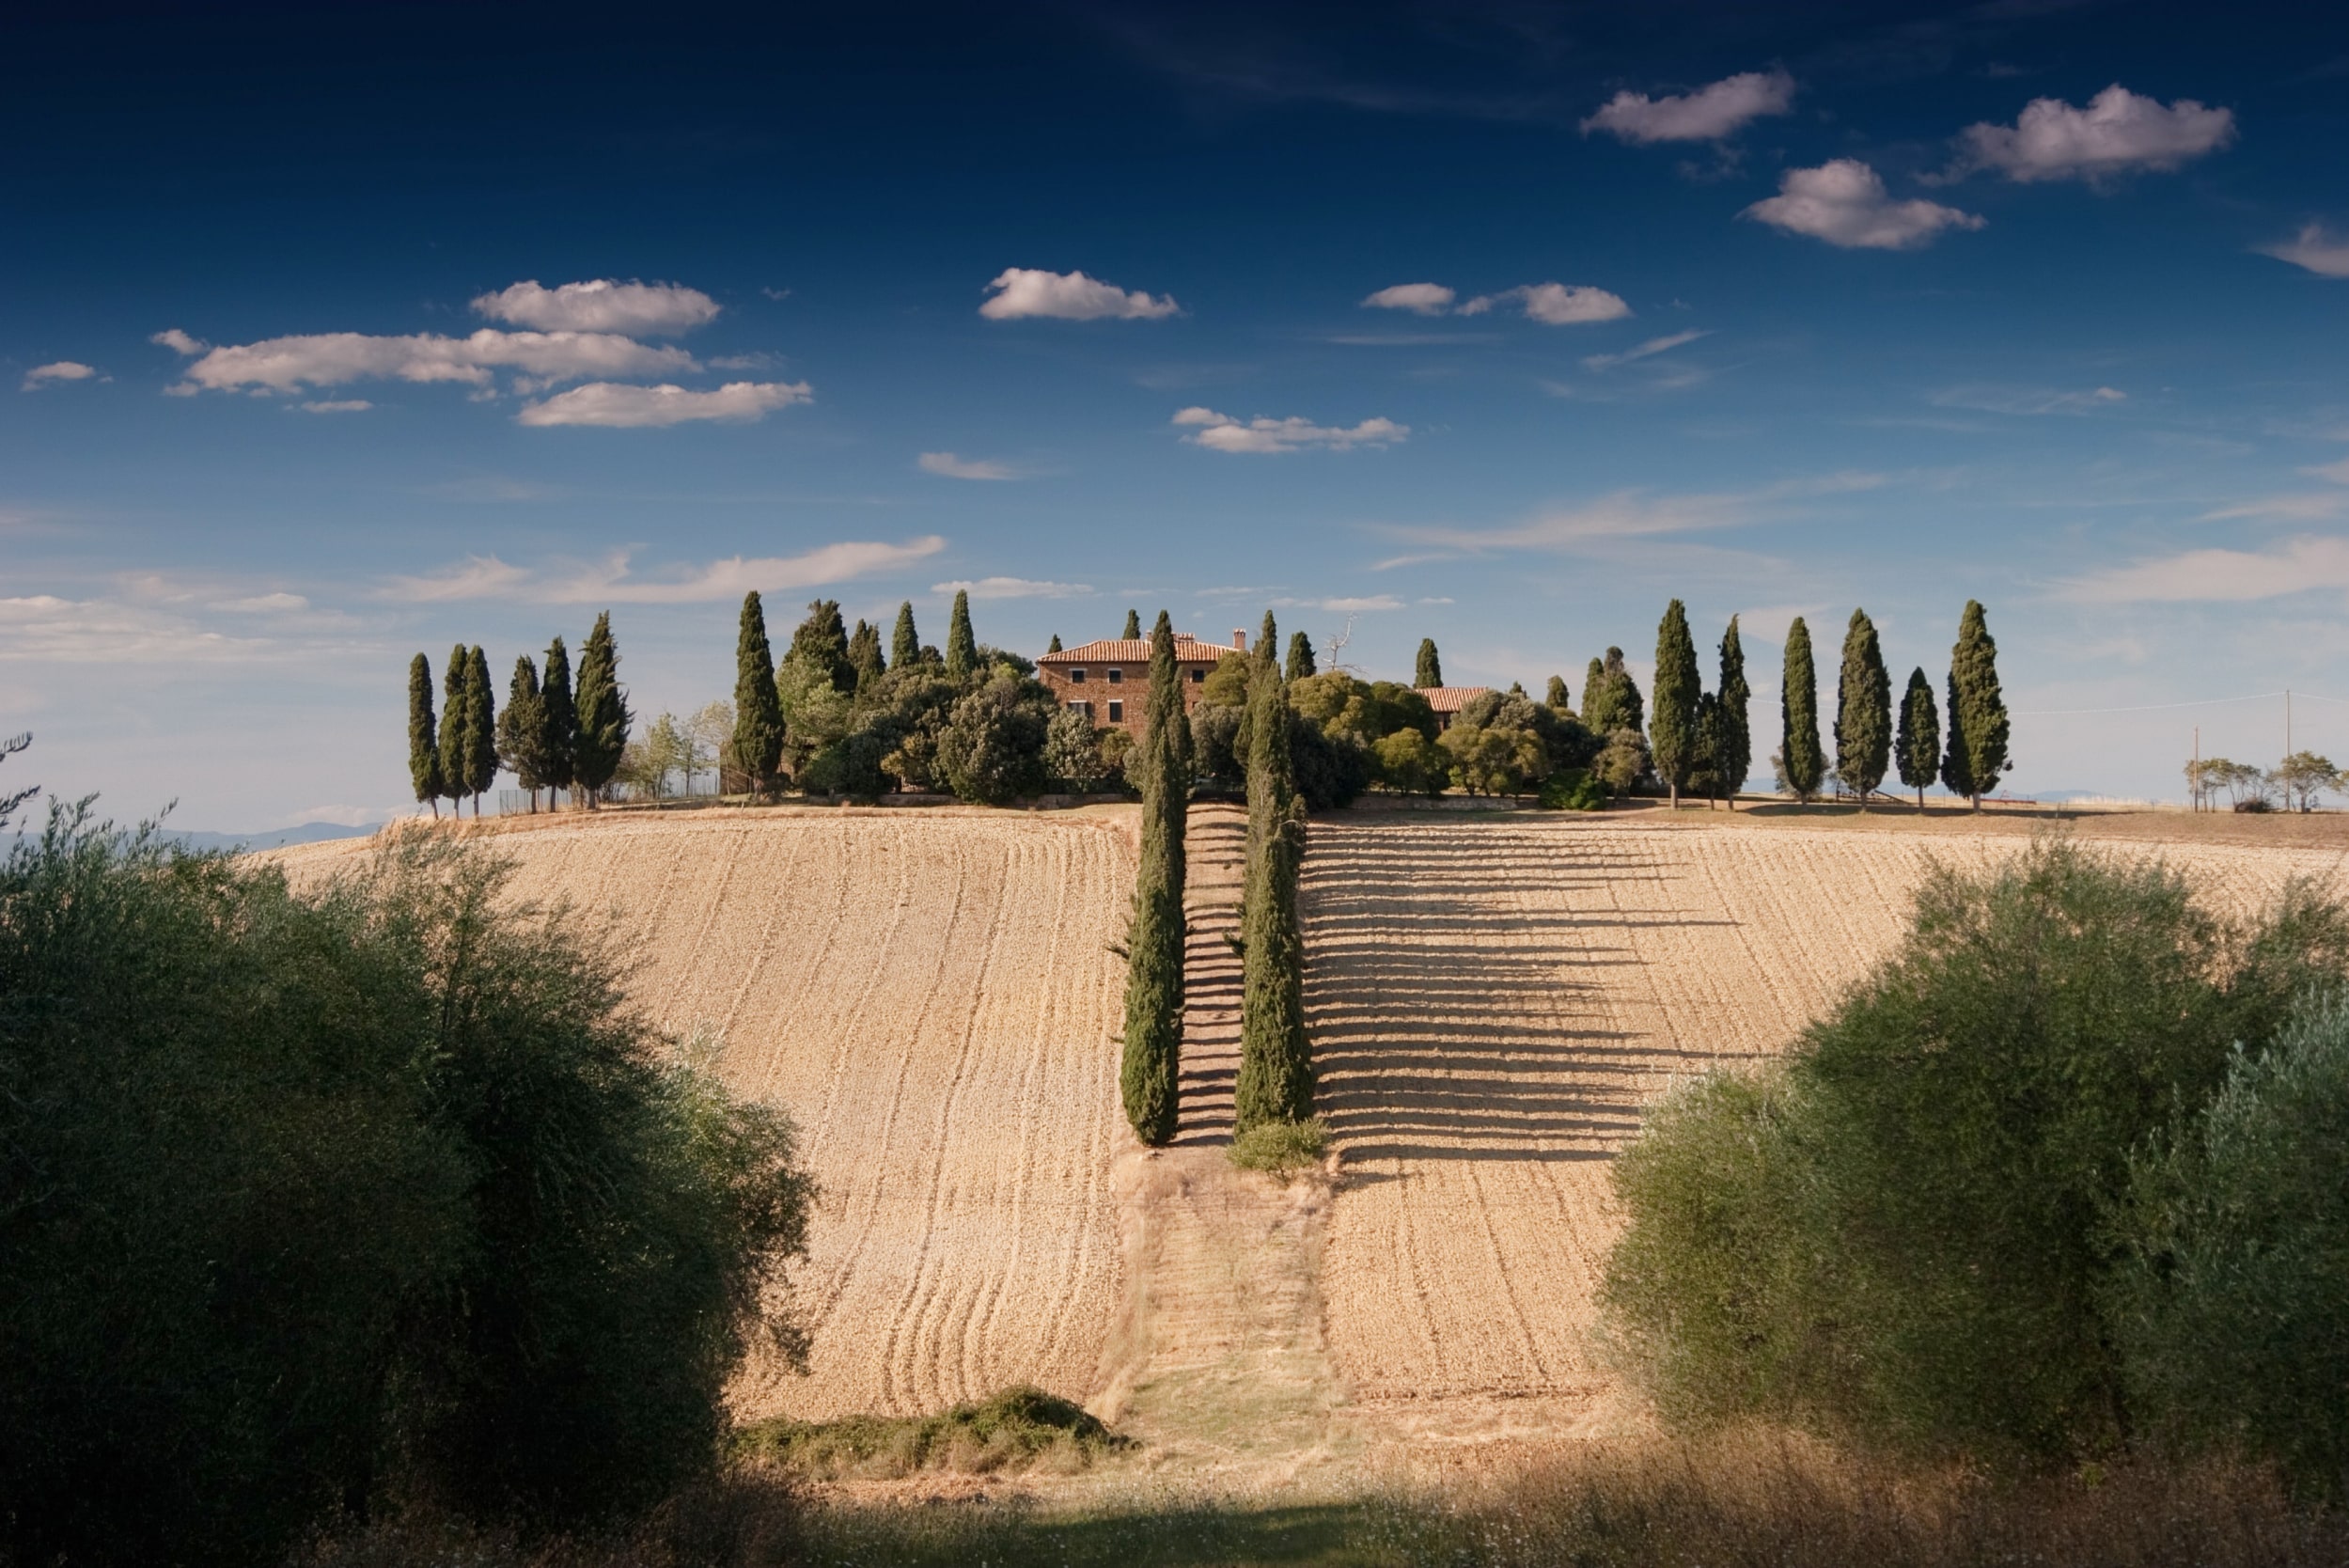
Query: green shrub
pixel 1573 789
pixel 991 750
pixel 1281 1147
pixel 1018 1429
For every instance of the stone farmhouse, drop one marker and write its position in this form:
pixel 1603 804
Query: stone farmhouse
pixel 1109 681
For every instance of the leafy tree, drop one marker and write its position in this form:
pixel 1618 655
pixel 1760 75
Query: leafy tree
pixel 1430 672
pixel 1610 699
pixel 1227 684
pixel 1732 745
pixel 1275 1081
pixel 1673 733
pixel 1147 1073
pixel 758 741
pixel 820 644
pixel 991 750
pixel 961 647
pixel 1801 758
pixel 603 717
pixel 1071 751
pixel 1409 763
pixel 1301 663
pixel 1557 696
pixel 1863 711
pixel 454 687
pixel 1495 760
pixel 1918 748
pixel 1132 632
pixel 480 728
pixel 424 752
pixel 864 653
pixel 522 729
pixel 1977 712
pixel 2301 777
pixel 1214 740
pixel 561 717
pixel 905 644
pixel 711 729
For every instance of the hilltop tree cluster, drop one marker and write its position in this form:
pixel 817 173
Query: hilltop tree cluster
pixel 1965 749
pixel 550 736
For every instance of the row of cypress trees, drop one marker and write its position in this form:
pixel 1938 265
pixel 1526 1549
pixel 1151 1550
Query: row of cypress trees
pixel 1275 1081
pixel 1154 945
pixel 551 736
pixel 1870 739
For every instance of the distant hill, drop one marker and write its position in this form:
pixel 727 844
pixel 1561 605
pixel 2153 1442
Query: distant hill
pixel 309 833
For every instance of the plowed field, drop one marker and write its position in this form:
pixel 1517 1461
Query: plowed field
pixel 928 995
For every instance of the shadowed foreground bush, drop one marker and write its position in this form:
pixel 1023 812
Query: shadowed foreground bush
pixel 1018 1429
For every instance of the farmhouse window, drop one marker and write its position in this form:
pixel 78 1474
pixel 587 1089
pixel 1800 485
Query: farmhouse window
pixel 1076 677
pixel 1197 676
pixel 1116 674
pixel 1117 713
pixel 1084 708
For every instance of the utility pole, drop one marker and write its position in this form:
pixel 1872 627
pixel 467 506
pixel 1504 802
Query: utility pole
pixel 2287 721
pixel 2193 795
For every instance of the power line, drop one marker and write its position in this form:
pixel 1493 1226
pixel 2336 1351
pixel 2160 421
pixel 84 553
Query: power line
pixel 2163 707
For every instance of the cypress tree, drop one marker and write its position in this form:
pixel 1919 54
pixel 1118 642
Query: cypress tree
pixel 1430 673
pixel 1275 1081
pixel 1593 699
pixel 961 647
pixel 1556 698
pixel 1610 698
pixel 1147 1076
pixel 453 689
pixel 757 707
pixel 603 717
pixel 522 729
pixel 1806 764
pixel 560 717
pixel 1673 736
pixel 864 654
pixel 1978 711
pixel 1132 632
pixel 1734 742
pixel 820 644
pixel 1301 662
pixel 1863 711
pixel 905 644
pixel 1053 645
pixel 480 728
pixel 1918 747
pixel 424 752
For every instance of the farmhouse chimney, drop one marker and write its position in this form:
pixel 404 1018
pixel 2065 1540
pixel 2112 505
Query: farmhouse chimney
pixel 1239 641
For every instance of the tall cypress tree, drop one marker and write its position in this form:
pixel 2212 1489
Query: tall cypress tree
pixel 1978 711
pixel 962 646
pixel 480 728
pixel 1733 730
pixel 1918 747
pixel 1275 1081
pixel 1301 660
pixel 560 717
pixel 1149 1074
pixel 1805 763
pixel 820 644
pixel 424 752
pixel 1053 645
pixel 864 654
pixel 1593 699
pixel 603 717
pixel 1556 698
pixel 905 644
pixel 1132 632
pixel 757 706
pixel 1673 736
pixel 1430 673
pixel 522 729
pixel 1863 711
pixel 454 687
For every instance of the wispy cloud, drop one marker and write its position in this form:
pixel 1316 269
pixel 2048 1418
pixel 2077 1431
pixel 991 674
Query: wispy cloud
pixel 1013 588
pixel 613 580
pixel 337 405
pixel 1551 304
pixel 1706 115
pixel 605 304
pixel 618 406
pixel 1222 432
pixel 1652 347
pixel 2029 400
pixel 336 358
pixel 1366 605
pixel 949 466
pixel 2118 133
pixel 1020 292
pixel 2295 566
pixel 2321 507
pixel 58 370
pixel 1843 202
pixel 2314 250
pixel 1624 514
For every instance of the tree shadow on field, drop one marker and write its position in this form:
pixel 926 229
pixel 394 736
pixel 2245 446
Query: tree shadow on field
pixel 1431 1043
pixel 1203 1535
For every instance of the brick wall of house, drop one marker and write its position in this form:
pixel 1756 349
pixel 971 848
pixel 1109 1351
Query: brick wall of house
pixel 1113 675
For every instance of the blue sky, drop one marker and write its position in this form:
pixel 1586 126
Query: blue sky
pixel 1496 323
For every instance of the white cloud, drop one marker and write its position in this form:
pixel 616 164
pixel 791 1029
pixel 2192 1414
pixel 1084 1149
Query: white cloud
pixel 62 370
pixel 44 628
pixel 2029 400
pixel 2314 250
pixel 1843 202
pixel 2337 472
pixel 2321 508
pixel 1013 588
pixel 339 405
pixel 1348 607
pixel 1706 115
pixel 1555 303
pixel 1023 292
pixel 2116 132
pixel 1629 514
pixel 606 305
pixel 613 581
pixel 2295 566
pixel 1224 433
pixel 952 467
pixel 265 603
pixel 616 406
pixel 179 342
pixel 1652 347
pixel 1425 299
pixel 333 358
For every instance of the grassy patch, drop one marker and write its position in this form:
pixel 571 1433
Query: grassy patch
pixel 1282 1148
pixel 1018 1429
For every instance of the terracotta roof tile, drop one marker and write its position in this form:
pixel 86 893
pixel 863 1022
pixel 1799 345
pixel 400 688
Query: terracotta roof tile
pixel 1450 699
pixel 1135 651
